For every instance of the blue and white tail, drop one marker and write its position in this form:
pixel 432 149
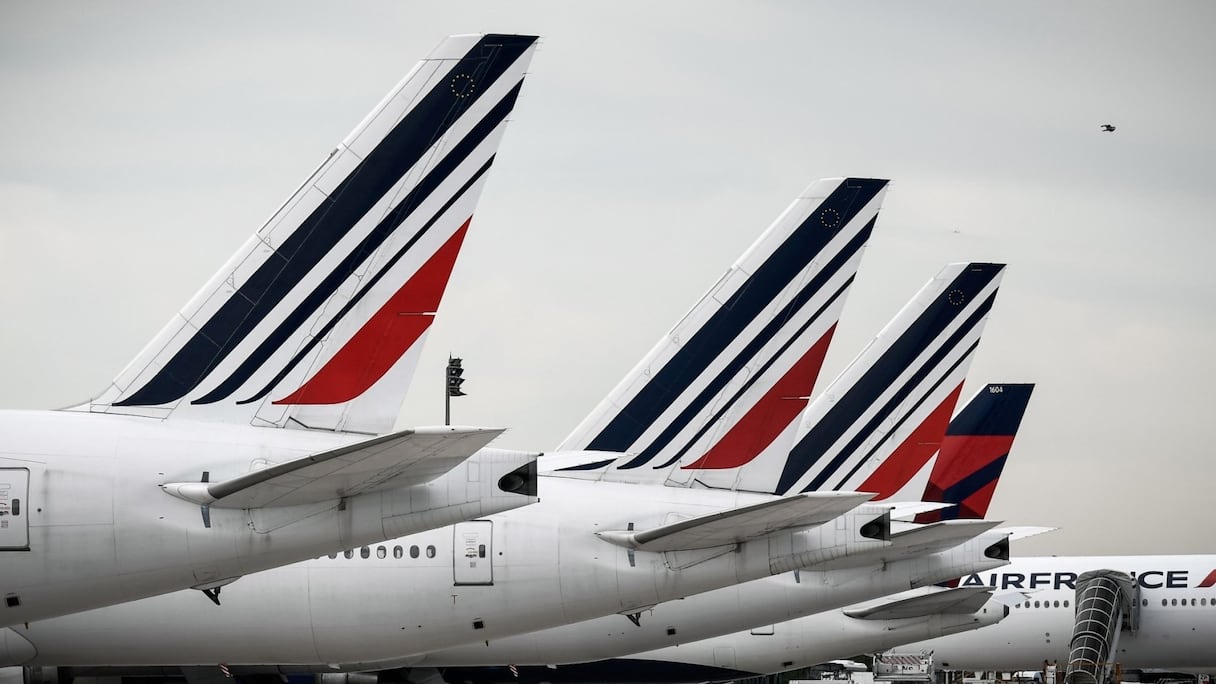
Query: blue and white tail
pixel 318 320
pixel 865 431
pixel 733 375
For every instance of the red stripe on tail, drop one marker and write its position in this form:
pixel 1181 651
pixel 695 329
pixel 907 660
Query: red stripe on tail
pixel 778 408
pixel 388 334
pixel 915 451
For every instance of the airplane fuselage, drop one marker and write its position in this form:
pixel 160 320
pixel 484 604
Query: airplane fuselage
pixel 93 527
pixel 1177 615
pixel 534 568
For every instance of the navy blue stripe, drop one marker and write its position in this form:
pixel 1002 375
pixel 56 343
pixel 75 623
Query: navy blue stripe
pixel 735 315
pixel 766 334
pixel 333 322
pixel 900 396
pixel 755 377
pixel 968 486
pixel 926 328
pixel 993 413
pixel 366 247
pixel 400 151
pixel 589 466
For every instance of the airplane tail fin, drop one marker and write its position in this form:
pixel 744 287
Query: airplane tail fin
pixel 974 452
pixel 735 372
pixel 318 319
pixel 880 420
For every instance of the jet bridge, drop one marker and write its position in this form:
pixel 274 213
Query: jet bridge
pixel 1107 602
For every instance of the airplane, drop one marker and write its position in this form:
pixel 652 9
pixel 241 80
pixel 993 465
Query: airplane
pixel 353 614
pixel 1177 605
pixel 256 428
pixel 1177 615
pixel 689 640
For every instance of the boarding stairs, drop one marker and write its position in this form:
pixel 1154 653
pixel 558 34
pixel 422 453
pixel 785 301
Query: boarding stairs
pixel 1107 602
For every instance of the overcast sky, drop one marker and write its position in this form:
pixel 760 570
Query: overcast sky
pixel 144 141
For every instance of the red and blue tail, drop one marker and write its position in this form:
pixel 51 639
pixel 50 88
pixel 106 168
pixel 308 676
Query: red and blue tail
pixel 974 452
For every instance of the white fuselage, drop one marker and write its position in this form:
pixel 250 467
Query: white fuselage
pixel 529 569
pixel 99 530
pixel 723 611
pixel 817 639
pixel 1177 615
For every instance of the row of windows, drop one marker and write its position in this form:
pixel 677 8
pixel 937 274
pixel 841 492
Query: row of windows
pixel 1143 602
pixel 382 552
pixel 1182 602
pixel 1045 604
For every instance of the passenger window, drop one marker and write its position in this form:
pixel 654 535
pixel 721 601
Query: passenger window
pixel 1173 602
pixel 1057 604
pixel 1065 603
pixel 1192 602
pixel 348 553
pixel 365 552
pixel 1203 602
pixel 381 552
pixel 333 556
pixel 398 552
pixel 1144 602
pixel 413 552
pixel 430 551
pixel 1163 602
pixel 1036 604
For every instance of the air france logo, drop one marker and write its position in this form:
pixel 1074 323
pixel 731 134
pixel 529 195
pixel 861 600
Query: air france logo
pixel 1149 579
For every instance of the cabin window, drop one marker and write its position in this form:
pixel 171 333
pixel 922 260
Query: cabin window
pixel 365 552
pixel 381 552
pixel 348 553
pixel 332 556
pixel 398 552
pixel 1036 604
pixel 1057 604
pixel 430 551
pixel 1163 602
pixel 413 552
pixel 1065 603
pixel 1173 602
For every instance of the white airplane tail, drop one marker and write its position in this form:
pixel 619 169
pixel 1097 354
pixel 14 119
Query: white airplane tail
pixel 733 375
pixel 864 433
pixel 318 320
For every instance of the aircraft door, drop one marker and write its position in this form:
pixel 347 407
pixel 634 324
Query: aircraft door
pixel 14 509
pixel 472 552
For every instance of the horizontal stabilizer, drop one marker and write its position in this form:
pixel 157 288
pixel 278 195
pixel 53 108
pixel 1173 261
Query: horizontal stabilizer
pixel 938 536
pixel 740 524
pixel 394 461
pixel 909 509
pixel 1024 531
pixel 960 601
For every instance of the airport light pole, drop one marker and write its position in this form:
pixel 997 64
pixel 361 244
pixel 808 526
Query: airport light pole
pixel 452 386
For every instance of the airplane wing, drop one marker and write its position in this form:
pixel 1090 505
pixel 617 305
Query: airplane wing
pixel 393 461
pixel 959 601
pixel 740 524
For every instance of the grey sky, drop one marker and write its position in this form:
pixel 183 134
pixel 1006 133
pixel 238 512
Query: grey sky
pixel 143 141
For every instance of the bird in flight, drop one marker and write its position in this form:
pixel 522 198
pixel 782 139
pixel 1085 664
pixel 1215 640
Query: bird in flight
pixel 1109 128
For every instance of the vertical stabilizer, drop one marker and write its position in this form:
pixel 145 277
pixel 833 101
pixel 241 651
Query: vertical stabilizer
pixel 974 452
pixel 725 384
pixel 873 428
pixel 318 319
